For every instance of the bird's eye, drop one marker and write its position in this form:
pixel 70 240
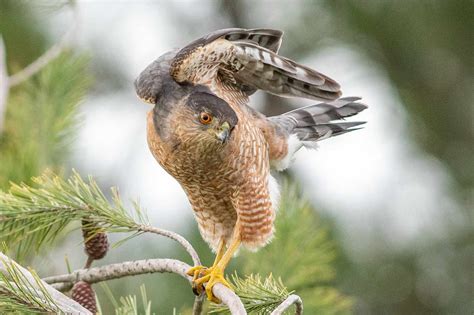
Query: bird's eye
pixel 205 118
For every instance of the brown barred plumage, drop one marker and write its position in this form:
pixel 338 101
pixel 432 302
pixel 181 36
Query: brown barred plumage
pixel 220 150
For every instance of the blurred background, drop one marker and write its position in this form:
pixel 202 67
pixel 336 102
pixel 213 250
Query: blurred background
pixel 396 197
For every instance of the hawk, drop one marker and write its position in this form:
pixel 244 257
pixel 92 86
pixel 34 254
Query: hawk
pixel 203 132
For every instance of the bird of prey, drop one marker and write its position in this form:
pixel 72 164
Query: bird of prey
pixel 203 132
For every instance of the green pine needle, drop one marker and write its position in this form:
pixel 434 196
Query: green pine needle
pixel 19 295
pixel 258 296
pixel 128 304
pixel 41 118
pixel 31 216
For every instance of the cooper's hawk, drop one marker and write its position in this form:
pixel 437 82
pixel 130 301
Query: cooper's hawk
pixel 202 131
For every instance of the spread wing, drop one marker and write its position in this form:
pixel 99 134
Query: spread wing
pixel 247 60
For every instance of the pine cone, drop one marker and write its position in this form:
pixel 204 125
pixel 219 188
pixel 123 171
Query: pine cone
pixel 83 294
pixel 97 246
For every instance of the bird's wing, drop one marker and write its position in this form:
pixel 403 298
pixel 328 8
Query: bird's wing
pixel 246 60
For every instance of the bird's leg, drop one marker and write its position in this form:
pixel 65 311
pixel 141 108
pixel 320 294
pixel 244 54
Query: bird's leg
pixel 220 252
pixel 215 274
pixel 199 271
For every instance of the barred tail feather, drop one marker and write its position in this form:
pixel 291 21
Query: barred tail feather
pixel 324 131
pixel 325 112
pixel 308 125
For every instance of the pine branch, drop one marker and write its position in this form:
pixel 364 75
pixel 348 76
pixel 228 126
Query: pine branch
pixel 22 290
pixel 174 236
pixel 31 216
pixel 258 296
pixel 132 268
pixel 293 299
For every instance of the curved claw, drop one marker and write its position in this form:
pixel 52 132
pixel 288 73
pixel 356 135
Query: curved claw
pixel 197 272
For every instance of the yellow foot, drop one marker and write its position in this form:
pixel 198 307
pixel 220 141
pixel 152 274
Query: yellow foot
pixel 197 272
pixel 210 277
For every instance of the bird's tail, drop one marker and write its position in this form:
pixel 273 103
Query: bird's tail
pixel 320 121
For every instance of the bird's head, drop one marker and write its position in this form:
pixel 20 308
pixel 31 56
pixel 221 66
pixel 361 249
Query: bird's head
pixel 197 116
pixel 207 119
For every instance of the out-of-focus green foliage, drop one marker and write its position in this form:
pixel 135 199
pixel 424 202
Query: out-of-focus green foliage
pixel 302 255
pixel 40 119
pixel 426 49
pixel 21 30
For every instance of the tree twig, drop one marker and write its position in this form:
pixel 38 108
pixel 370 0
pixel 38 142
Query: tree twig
pixel 67 305
pixel 197 306
pixel 138 267
pixel 174 236
pixel 198 301
pixel 290 300
pixel 53 52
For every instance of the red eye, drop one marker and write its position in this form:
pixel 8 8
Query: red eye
pixel 205 118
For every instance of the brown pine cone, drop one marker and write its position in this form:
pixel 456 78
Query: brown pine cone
pixel 97 246
pixel 83 294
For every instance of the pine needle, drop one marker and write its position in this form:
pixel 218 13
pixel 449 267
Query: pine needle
pixel 31 216
pixel 19 295
pixel 258 296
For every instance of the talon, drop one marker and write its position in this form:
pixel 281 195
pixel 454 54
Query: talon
pixel 197 290
pixel 198 272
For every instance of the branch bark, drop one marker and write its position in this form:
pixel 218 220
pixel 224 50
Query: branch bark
pixel 67 305
pixel 199 300
pixel 174 236
pixel 290 300
pixel 131 268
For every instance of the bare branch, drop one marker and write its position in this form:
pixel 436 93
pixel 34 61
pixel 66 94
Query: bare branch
pixel 229 298
pixel 138 267
pixel 124 269
pixel 198 302
pixel 174 236
pixel 290 300
pixel 4 88
pixel 66 304
pixel 53 52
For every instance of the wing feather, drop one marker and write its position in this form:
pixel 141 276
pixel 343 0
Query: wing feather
pixel 249 56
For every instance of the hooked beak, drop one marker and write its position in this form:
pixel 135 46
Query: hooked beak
pixel 223 132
